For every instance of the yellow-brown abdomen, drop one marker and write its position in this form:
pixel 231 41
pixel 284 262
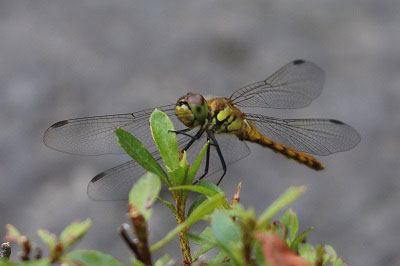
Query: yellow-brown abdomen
pixel 250 133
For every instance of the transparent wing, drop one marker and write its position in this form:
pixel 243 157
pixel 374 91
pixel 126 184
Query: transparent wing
pixel 95 135
pixel 295 85
pixel 314 136
pixel 115 183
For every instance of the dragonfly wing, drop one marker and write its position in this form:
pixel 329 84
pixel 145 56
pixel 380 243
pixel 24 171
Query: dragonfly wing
pixel 313 136
pixel 95 135
pixel 295 85
pixel 115 183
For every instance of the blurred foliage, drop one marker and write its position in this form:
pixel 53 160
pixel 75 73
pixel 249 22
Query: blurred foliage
pixel 234 235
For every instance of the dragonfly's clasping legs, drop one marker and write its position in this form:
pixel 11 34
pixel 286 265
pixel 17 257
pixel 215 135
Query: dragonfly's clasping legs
pixel 221 157
pixel 207 164
pixel 193 138
pixel 182 132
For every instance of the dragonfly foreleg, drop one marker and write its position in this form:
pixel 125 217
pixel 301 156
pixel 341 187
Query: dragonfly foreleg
pixel 206 167
pixel 221 157
pixel 182 132
pixel 193 138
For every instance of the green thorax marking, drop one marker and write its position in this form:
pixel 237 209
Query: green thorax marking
pixel 224 116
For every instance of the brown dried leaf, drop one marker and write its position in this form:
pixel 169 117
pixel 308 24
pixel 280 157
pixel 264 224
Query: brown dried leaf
pixel 277 253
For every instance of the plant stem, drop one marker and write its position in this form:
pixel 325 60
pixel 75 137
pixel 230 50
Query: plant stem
pixel 183 235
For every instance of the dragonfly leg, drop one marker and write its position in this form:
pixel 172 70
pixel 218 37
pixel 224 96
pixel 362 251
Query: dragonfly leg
pixel 182 132
pixel 194 138
pixel 206 167
pixel 221 157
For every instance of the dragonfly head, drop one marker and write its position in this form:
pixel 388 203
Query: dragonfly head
pixel 191 109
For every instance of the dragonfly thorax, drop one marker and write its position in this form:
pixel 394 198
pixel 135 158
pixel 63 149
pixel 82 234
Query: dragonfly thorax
pixel 192 110
pixel 224 116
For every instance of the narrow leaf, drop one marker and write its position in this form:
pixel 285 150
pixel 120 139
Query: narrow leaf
pixel 73 232
pixel 144 193
pixel 205 208
pixel 12 234
pixel 196 203
pixel 196 164
pixel 307 251
pixel 48 238
pixel 220 259
pixel 136 262
pixel 210 185
pixel 40 262
pixel 283 201
pixel 330 254
pixel 163 260
pixel 88 257
pixel 299 238
pixel 196 188
pixel 168 204
pixel 135 149
pixel 205 240
pixel 289 220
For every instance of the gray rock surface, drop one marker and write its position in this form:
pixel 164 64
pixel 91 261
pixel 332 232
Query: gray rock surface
pixel 66 59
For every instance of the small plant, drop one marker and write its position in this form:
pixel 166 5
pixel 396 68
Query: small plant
pixel 234 235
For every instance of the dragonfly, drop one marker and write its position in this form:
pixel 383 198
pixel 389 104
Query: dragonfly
pixel 218 120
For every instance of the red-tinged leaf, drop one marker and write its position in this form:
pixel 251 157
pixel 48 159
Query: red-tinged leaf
pixel 277 253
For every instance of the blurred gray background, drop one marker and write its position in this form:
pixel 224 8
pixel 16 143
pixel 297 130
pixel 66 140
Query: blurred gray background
pixel 67 59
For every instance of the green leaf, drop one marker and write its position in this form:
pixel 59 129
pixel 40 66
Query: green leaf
pixel 205 240
pixel 244 214
pixel 89 257
pixel 258 254
pixel 225 230
pixel 12 234
pixel 196 203
pixel 135 149
pixel 289 220
pixel 219 259
pixel 199 189
pixel 206 188
pixel 144 193
pixel 210 185
pixel 283 201
pixel 299 238
pixel 163 260
pixel 48 238
pixel 73 232
pixel 278 228
pixel 330 254
pixel 41 262
pixel 168 204
pixel 136 262
pixel 227 235
pixel 320 252
pixel 204 209
pixel 339 262
pixel 161 127
pixel 307 251
pixel 184 168
pixel 196 164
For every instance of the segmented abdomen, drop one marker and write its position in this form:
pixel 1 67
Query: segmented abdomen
pixel 250 133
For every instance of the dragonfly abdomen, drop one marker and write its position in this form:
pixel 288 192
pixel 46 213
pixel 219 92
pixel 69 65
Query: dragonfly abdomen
pixel 250 133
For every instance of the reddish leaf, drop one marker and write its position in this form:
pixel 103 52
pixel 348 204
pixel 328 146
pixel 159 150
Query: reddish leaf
pixel 277 253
